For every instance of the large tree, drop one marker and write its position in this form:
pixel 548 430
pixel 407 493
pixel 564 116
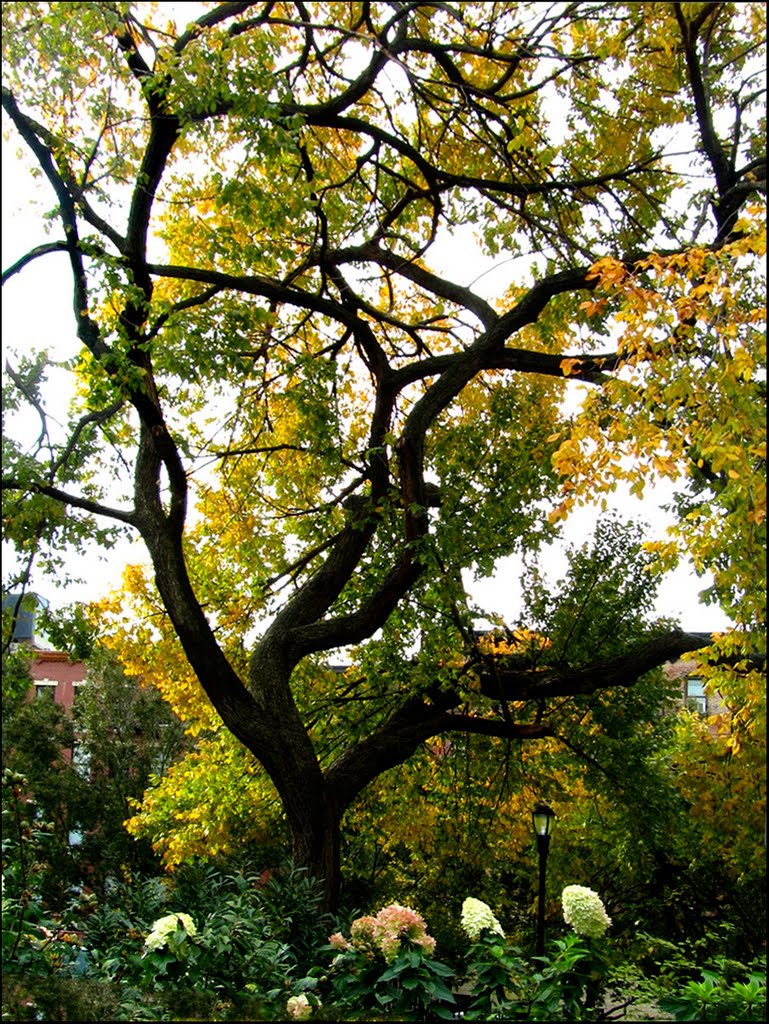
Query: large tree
pixel 276 220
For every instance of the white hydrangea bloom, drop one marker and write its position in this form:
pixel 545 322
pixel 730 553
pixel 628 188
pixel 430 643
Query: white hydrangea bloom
pixel 165 927
pixel 584 911
pixel 477 915
pixel 299 1007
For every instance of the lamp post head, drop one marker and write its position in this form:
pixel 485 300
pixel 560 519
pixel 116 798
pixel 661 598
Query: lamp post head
pixel 543 818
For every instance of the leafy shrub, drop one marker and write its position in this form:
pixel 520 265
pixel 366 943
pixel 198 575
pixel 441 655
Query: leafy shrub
pixel 212 944
pixel 718 995
pixel 387 966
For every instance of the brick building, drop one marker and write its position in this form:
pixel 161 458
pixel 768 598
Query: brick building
pixel 52 671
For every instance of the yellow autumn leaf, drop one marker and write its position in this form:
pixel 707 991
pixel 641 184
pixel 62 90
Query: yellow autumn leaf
pixel 570 366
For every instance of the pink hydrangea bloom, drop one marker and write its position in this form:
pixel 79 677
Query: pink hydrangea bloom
pixel 396 924
pixel 393 928
pixel 338 941
pixel 364 934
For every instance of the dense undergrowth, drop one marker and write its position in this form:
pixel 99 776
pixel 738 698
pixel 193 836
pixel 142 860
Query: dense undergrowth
pixel 220 945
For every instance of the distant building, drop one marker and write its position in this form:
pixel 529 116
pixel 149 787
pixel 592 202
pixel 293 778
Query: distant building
pixel 26 621
pixel 693 694
pixel 53 672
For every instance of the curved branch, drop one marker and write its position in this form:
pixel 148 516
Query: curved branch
pixel 363 83
pixel 40 250
pixel 321 635
pixel 73 500
pixel 99 416
pixel 179 307
pixel 222 12
pixel 406 730
pixel 435 713
pixel 623 671
pixel 434 283
pixel 87 328
pixel 528 308
pixel 33 401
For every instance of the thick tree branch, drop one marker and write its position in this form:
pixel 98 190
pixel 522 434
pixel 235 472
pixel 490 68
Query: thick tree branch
pixel 412 271
pixel 624 670
pixel 256 284
pixel 321 635
pixel 435 714
pixel 221 13
pixel 34 254
pixel 395 742
pixel 690 34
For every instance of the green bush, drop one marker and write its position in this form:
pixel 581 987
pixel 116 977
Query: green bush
pixel 387 967
pixel 219 945
pixel 727 991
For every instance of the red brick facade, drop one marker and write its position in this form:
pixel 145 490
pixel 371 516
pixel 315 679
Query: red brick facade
pixel 54 671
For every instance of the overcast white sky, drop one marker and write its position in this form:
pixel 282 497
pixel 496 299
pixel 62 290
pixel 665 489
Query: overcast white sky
pixel 37 314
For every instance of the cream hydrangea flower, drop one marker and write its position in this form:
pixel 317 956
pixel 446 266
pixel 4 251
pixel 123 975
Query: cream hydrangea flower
pixel 165 927
pixel 299 1007
pixel 477 915
pixel 584 911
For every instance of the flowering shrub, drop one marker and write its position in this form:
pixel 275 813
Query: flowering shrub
pixel 234 965
pixel 568 983
pixel 394 929
pixel 584 911
pixel 477 915
pixel 494 968
pixel 299 1007
pixel 386 965
pixel 397 927
pixel 165 927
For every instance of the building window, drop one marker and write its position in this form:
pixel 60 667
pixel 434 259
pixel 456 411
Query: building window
pixel 695 697
pixel 41 689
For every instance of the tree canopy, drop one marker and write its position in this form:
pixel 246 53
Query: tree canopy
pixel 293 384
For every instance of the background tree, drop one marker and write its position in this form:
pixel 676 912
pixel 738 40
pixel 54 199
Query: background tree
pixel 16 679
pixel 38 740
pixel 253 207
pixel 83 769
pixel 621 771
pixel 128 737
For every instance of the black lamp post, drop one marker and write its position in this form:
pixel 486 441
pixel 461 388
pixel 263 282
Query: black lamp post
pixel 544 819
